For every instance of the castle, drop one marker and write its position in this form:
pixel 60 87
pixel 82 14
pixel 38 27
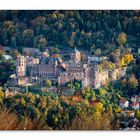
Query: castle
pixel 35 71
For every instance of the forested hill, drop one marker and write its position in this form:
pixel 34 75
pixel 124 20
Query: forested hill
pixel 84 29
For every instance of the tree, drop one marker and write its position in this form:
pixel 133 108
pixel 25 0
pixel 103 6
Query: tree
pixel 1 51
pixel 86 93
pixel 93 96
pixel 48 83
pixel 77 86
pixel 137 114
pixel 99 107
pixel 119 28
pixel 28 36
pixel 98 52
pixel 82 123
pixel 126 59
pixel 122 38
pixel 37 112
pixel 106 125
pixel 40 42
pixel 102 91
pixel 133 82
pixel 1 94
pixel 23 102
pixel 14 53
pixel 13 42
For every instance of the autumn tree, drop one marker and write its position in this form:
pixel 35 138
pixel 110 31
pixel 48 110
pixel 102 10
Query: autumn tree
pixel 97 52
pixel 28 36
pixel 40 42
pixel 48 83
pixel 133 82
pixel 122 38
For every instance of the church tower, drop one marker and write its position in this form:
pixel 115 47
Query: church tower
pixel 21 66
pixel 76 55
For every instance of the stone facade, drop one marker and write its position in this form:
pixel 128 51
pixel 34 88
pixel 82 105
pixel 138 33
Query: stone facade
pixel 21 66
pixel 37 70
pixel 76 55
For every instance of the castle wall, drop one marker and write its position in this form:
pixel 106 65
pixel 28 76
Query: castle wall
pixel 103 77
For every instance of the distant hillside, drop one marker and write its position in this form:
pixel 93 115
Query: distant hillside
pixel 85 29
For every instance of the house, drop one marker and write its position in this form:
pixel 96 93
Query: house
pixel 96 59
pixel 94 103
pixel 8 93
pixel 124 103
pixel 78 98
pixel 135 98
pixel 135 105
pixel 7 57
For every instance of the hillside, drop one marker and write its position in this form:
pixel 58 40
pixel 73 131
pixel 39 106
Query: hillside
pixel 85 29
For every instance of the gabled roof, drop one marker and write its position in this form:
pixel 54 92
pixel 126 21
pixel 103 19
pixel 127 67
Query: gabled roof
pixel 123 101
pixel 134 104
pixel 134 96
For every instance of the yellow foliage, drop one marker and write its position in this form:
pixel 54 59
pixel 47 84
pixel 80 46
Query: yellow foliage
pixel 55 119
pixel 107 65
pixel 124 82
pixel 118 110
pixel 99 107
pixel 1 94
pixel 126 59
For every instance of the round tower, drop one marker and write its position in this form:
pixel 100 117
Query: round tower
pixel 21 66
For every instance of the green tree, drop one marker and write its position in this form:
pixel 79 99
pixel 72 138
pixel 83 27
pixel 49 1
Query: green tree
pixel 14 53
pixel 93 96
pixel 23 102
pixel 40 42
pixel 28 35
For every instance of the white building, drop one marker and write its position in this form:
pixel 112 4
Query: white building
pixel 124 103
pixel 135 105
pixel 135 98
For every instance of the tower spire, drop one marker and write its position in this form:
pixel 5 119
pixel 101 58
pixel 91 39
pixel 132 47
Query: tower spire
pixel 75 49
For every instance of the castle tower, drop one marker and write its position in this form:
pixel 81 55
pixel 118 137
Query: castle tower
pixel 21 66
pixel 76 55
pixel 96 82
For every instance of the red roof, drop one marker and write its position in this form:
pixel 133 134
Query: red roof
pixel 123 101
pixel 94 102
pixel 135 104
pixel 78 98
